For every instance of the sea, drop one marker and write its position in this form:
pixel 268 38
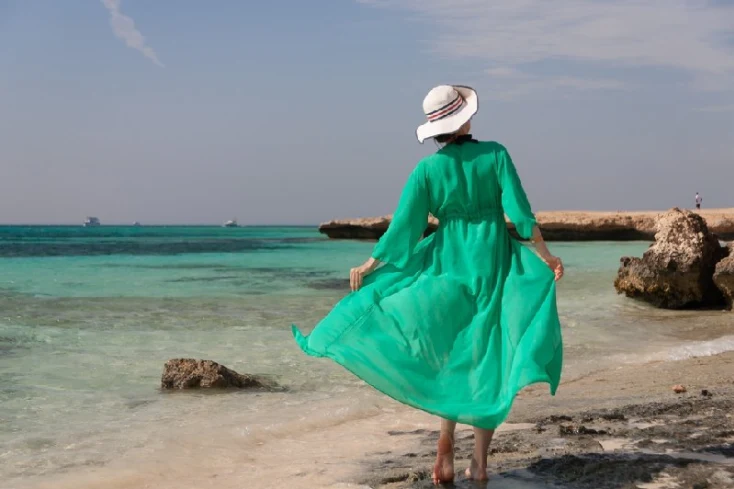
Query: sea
pixel 89 316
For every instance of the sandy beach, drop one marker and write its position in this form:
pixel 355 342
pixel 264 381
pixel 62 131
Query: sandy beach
pixel 622 428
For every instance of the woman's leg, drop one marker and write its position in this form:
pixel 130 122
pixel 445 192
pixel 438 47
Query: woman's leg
pixel 443 471
pixel 478 468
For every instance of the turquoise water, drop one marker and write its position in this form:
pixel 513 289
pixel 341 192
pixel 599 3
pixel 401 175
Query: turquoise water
pixel 88 316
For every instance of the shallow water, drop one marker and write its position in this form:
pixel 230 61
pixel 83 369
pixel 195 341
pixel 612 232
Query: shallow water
pixel 89 316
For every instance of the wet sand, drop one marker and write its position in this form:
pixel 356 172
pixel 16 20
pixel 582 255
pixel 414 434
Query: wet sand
pixel 622 428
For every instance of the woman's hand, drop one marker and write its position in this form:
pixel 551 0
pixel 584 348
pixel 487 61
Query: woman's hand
pixel 555 264
pixel 357 274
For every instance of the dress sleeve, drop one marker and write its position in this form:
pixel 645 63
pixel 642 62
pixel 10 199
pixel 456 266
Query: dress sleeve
pixel 514 200
pixel 408 223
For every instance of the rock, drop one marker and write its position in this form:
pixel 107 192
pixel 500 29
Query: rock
pixel 555 418
pixel 344 485
pixel 677 270
pixel 188 373
pixel 556 226
pixel 723 478
pixel 365 228
pixel 566 430
pixel 679 389
pixel 595 226
pixel 724 277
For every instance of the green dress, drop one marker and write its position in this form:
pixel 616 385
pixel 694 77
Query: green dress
pixel 455 324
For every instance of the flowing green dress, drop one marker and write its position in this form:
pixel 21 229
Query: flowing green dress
pixel 455 324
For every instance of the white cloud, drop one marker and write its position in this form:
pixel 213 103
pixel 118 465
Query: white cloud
pixel 124 28
pixel 588 83
pixel 511 82
pixel 504 72
pixel 693 36
pixel 509 87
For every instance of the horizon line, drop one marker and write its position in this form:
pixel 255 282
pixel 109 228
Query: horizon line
pixel 153 224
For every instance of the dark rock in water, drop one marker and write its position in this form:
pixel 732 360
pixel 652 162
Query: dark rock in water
pixel 677 270
pixel 188 373
pixel 724 277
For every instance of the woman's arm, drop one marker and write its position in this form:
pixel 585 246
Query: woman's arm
pixel 517 207
pixel 553 262
pixel 539 244
pixel 408 224
pixel 357 274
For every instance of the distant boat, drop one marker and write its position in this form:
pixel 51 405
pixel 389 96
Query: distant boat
pixel 92 222
pixel 137 224
pixel 230 224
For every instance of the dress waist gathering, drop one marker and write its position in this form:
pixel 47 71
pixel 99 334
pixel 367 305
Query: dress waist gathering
pixel 471 216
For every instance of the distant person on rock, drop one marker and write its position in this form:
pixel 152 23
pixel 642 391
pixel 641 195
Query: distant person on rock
pixel 699 200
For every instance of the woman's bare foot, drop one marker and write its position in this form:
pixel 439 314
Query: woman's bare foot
pixel 443 471
pixel 476 471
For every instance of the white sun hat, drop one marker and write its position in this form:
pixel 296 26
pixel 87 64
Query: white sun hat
pixel 447 107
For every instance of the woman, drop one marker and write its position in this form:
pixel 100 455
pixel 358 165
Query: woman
pixel 455 324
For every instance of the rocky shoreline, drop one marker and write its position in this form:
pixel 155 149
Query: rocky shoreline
pixel 555 225
pixel 626 428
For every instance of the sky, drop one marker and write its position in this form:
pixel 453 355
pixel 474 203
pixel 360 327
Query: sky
pixel 295 112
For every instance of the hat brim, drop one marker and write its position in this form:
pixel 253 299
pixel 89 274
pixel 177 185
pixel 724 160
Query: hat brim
pixel 454 122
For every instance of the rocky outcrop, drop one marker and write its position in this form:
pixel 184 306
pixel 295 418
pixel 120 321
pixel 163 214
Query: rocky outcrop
pixel 724 276
pixel 188 373
pixel 371 228
pixel 556 226
pixel 677 270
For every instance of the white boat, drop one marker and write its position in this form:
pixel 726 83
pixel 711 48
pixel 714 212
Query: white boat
pixel 92 222
pixel 137 224
pixel 232 223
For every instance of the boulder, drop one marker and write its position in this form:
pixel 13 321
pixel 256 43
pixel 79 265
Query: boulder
pixel 677 270
pixel 188 373
pixel 724 277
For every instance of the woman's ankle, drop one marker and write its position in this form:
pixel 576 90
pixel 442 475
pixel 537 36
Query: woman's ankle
pixel 446 443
